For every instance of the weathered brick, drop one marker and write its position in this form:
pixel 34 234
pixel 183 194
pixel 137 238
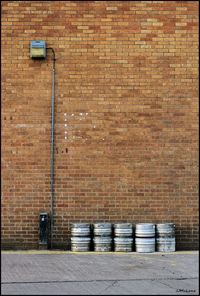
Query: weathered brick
pixel 126 116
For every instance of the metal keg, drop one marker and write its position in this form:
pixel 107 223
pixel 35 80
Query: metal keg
pixel 145 245
pixel 80 244
pixel 165 244
pixel 123 244
pixel 102 243
pixel 165 230
pixel 102 229
pixel 80 229
pixel 145 230
pixel 123 230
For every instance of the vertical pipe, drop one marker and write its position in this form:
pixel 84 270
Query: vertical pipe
pixel 52 153
pixel 52 146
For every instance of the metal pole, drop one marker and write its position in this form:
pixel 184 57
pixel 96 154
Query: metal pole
pixel 52 145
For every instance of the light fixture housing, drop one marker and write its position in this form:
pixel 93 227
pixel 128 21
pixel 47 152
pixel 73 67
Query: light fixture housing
pixel 38 49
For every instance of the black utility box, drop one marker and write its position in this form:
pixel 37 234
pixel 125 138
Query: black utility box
pixel 43 230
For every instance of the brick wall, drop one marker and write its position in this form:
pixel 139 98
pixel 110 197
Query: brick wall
pixel 126 116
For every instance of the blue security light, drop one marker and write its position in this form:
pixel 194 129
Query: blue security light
pixel 38 49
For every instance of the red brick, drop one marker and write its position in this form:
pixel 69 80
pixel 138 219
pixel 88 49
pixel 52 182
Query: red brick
pixel 127 79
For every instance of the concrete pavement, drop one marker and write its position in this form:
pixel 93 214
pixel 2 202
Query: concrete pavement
pixel 92 273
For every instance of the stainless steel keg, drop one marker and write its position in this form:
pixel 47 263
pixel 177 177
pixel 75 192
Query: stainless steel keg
pixel 165 230
pixel 80 244
pixel 102 243
pixel 80 229
pixel 123 244
pixel 123 230
pixel 102 229
pixel 145 245
pixel 145 230
pixel 165 244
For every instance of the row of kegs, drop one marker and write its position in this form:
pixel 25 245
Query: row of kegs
pixel 123 237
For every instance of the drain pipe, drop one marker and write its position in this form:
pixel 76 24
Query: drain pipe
pixel 38 51
pixel 52 146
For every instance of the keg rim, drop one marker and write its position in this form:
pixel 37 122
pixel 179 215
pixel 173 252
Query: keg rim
pixel 102 238
pixel 167 223
pixel 79 224
pixel 144 240
pixel 128 238
pixel 123 224
pixel 145 224
pixel 102 223
pixel 79 238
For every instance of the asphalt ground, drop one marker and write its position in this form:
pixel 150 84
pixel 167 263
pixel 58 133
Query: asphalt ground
pixel 99 273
